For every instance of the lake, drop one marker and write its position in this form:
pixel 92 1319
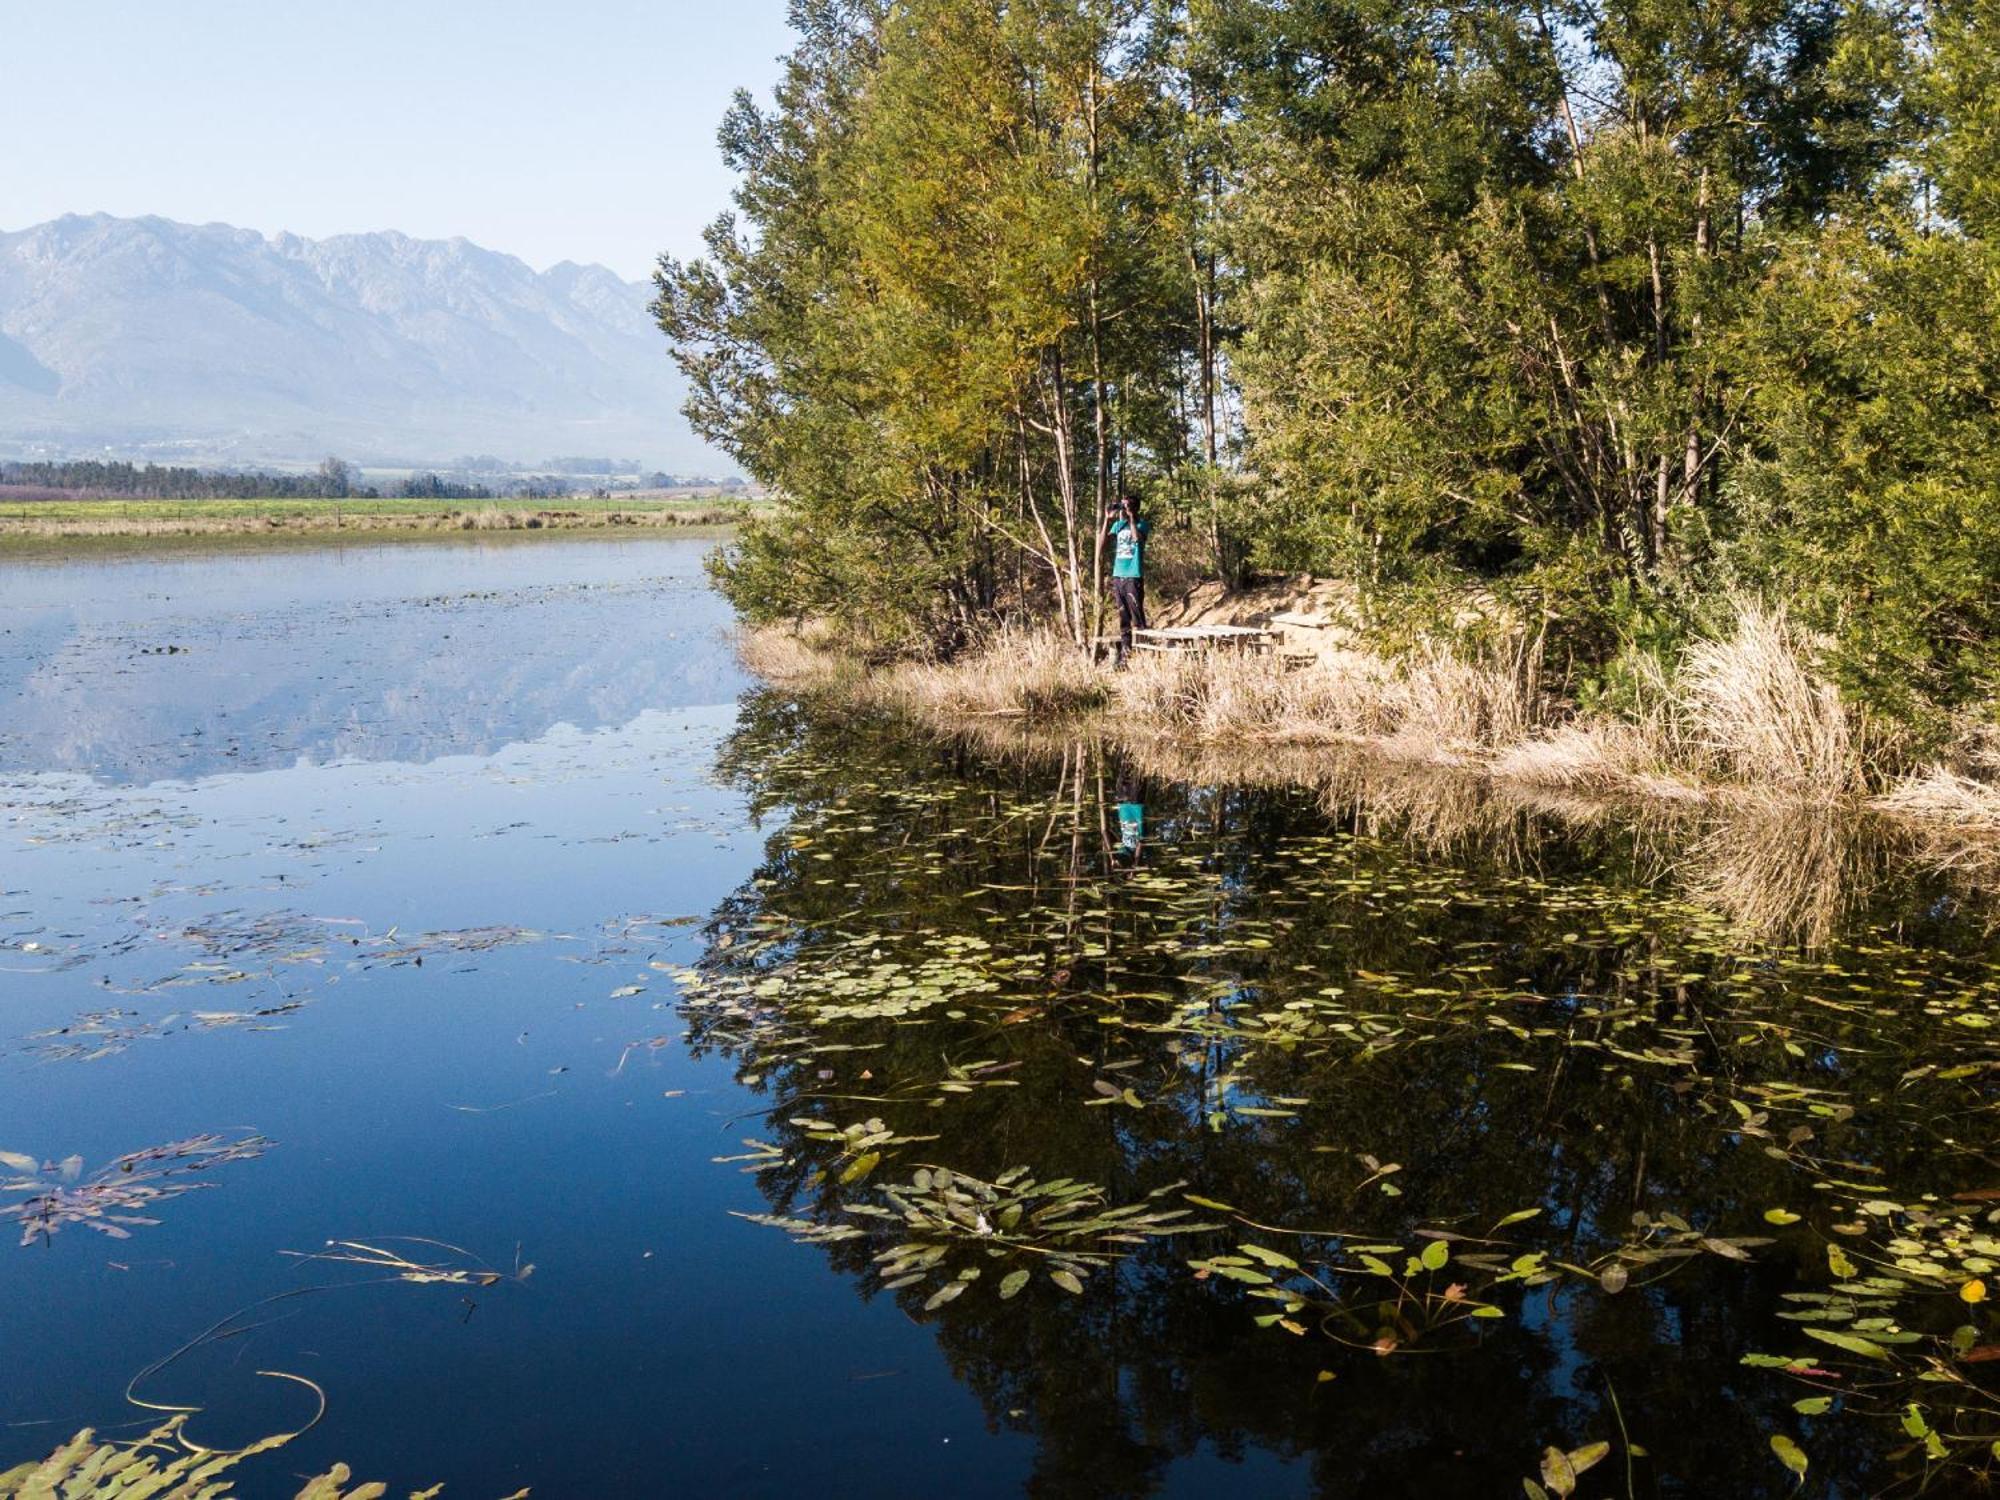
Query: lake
pixel 437 986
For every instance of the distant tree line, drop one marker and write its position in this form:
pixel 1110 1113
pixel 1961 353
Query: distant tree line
pixel 1611 308
pixel 87 478
pixel 334 479
pixel 431 487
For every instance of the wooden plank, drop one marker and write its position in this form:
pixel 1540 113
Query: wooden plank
pixel 1205 633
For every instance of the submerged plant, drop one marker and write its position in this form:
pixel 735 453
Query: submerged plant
pixel 943 1219
pixel 1264 994
pixel 113 1199
pixel 459 1268
pixel 167 1465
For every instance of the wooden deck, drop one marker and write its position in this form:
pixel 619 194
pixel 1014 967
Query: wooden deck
pixel 1205 638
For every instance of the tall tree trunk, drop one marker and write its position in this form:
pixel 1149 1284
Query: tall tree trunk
pixel 1061 430
pixel 1658 552
pixel 1101 470
pixel 1704 247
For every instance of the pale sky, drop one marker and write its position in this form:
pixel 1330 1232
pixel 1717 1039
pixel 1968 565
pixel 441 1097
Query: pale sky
pixel 561 130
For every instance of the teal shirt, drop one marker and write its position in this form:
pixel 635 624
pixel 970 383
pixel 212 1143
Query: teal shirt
pixel 1128 549
pixel 1131 819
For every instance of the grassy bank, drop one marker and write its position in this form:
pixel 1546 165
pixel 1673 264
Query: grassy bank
pixel 33 521
pixel 1741 718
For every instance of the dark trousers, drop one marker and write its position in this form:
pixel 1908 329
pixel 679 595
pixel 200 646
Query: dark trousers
pixel 1131 596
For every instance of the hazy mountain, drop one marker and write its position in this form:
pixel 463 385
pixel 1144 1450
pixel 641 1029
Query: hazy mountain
pixel 377 347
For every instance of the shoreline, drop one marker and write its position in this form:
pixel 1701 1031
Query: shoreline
pixel 70 535
pixel 1432 720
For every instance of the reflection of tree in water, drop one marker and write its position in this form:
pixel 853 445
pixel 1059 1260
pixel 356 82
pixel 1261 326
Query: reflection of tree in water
pixel 1549 1038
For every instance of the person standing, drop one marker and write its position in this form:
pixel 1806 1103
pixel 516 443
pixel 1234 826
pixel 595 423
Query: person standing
pixel 1128 533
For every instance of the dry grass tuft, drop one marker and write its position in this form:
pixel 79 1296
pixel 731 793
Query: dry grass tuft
pixel 804 657
pixel 1347 696
pixel 1439 708
pixel 1034 673
pixel 1203 695
pixel 1451 709
pixel 491 518
pixel 1597 756
pixel 1942 796
pixel 1750 708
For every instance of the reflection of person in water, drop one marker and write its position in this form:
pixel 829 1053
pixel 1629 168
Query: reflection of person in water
pixel 1131 820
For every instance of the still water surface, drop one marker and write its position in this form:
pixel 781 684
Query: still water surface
pixel 1094 1131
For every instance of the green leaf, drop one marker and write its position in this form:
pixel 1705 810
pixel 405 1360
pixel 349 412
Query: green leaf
pixel 1790 1454
pixel 1588 1457
pixel 1239 1273
pixel 1435 1255
pixel 1269 1257
pixel 1813 1406
pixel 1068 1282
pixel 1012 1282
pixel 861 1166
pixel 1853 1343
pixel 946 1293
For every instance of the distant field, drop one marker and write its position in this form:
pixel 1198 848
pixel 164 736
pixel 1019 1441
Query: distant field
pixel 183 510
pixel 41 520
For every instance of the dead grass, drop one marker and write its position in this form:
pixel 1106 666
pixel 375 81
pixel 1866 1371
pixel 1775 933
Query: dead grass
pixel 1457 710
pixel 1940 795
pixel 1744 711
pixel 806 657
pixel 1603 755
pixel 1032 673
pixel 1436 708
pixel 1750 709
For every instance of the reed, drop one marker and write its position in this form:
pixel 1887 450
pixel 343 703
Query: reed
pixel 1745 710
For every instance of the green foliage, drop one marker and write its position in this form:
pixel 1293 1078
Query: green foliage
pixel 1606 308
pixel 1874 501
pixel 945 334
pixel 166 1463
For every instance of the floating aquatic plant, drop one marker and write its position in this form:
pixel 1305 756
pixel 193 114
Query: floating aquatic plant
pixel 950 1229
pixel 1264 997
pixel 116 1198
pixel 166 1465
pixel 458 1267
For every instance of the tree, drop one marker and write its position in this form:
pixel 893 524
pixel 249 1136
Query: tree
pixel 336 478
pixel 944 339
pixel 1495 253
pixel 1604 305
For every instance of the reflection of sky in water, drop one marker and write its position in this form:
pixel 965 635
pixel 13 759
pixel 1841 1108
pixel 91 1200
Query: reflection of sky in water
pixel 534 751
pixel 388 865
pixel 135 669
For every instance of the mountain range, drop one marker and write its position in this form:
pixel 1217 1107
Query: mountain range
pixel 218 344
